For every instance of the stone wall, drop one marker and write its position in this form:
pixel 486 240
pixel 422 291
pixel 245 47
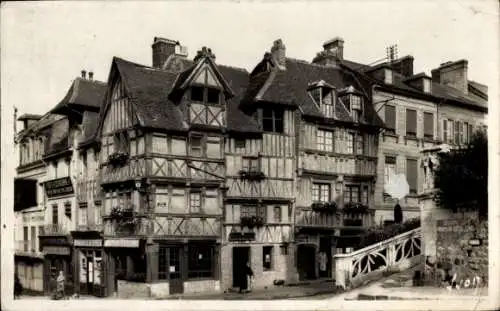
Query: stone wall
pixel 133 290
pixel 456 244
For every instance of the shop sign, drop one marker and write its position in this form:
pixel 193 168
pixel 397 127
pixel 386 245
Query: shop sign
pixel 242 236
pixel 56 250
pixel 58 187
pixel 88 243
pixel 126 243
pixel 54 241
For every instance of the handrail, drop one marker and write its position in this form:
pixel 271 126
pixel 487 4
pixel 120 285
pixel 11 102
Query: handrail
pixel 377 245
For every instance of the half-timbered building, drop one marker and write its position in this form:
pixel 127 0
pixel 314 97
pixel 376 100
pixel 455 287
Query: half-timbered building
pixel 320 134
pixel 64 209
pixel 162 133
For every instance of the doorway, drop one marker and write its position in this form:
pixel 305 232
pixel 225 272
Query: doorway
pixel 325 257
pixel 306 262
pixel 175 255
pixel 241 256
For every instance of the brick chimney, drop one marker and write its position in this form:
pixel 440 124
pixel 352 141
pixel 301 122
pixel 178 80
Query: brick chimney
pixel 332 54
pixel 84 74
pixel 403 65
pixel 91 75
pixel 278 52
pixel 162 49
pixel 453 74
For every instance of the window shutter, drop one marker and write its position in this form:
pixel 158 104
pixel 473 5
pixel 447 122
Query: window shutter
pixel 445 130
pixel 428 125
pixel 411 174
pixel 390 117
pixel 411 122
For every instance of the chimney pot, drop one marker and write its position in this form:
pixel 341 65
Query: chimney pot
pixel 84 74
pixel 91 75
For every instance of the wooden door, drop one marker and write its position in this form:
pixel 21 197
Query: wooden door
pixel 175 267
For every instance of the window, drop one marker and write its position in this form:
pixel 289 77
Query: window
pixel 428 125
pixel 214 147
pixel 321 192
pixel 356 109
pixel 390 119
pixel 350 143
pixel 360 144
pixel 470 133
pixel 412 174
pixel 252 210
pixel 445 130
pixel 352 194
pixel 121 142
pixel 277 214
pixel 316 95
pixel 411 122
pixel 324 140
pixel 200 261
pixel 457 132
pixel 466 132
pixel 205 94
pixel 327 103
pixel 462 133
pixel 195 202
pixel 83 216
pixel 55 214
pixel 364 195
pixel 267 258
pixel 272 120
pixel 251 164
pixel 450 131
pixel 196 146
pixel 212 96
pixel 389 168
pixel 67 209
pixel 197 93
pixel 239 143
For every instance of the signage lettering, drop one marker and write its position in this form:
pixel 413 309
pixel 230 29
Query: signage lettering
pixel 122 243
pixel 241 236
pixel 57 187
pixel 54 241
pixel 88 243
pixel 56 250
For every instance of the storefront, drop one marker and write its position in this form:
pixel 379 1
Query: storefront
pixel 314 256
pixel 89 267
pixel 57 258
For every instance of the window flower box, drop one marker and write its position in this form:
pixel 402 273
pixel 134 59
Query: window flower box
pixel 252 175
pixel 328 207
pixel 252 221
pixel 357 208
pixel 118 158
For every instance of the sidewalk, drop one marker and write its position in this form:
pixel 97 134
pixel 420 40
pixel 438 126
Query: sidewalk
pixel 315 288
pixel 399 287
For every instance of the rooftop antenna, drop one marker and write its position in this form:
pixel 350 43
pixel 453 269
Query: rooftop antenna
pixel 392 52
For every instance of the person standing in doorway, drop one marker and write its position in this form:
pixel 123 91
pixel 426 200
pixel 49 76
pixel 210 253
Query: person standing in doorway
pixel 60 284
pixel 247 284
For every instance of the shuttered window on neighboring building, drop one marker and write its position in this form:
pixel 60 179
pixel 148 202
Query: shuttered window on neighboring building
pixel 411 122
pixel 25 238
pixel 390 119
pixel 33 239
pixel 412 174
pixel 457 133
pixel 428 125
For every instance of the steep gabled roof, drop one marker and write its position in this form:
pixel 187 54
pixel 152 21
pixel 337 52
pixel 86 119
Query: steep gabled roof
pixel 149 89
pixel 290 87
pixel 82 94
pixel 59 137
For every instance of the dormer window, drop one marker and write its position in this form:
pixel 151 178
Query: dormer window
pixel 323 95
pixel 207 95
pixel 353 102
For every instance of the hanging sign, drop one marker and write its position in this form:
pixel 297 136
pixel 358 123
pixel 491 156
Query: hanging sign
pixel 126 243
pixel 88 243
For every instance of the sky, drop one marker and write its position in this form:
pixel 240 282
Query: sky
pixel 45 45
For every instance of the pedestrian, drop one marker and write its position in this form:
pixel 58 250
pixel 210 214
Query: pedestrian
pixel 248 282
pixel 60 285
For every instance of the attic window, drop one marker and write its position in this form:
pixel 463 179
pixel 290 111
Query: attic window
pixel 323 95
pixel 356 109
pixel 205 94
pixel 426 85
